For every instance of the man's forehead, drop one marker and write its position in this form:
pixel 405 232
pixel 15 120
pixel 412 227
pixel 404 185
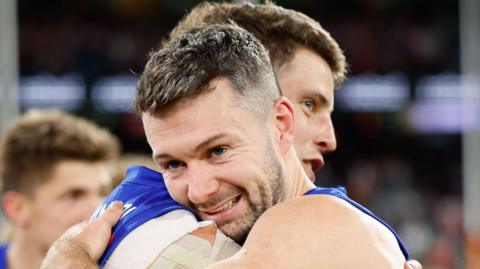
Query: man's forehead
pixel 307 75
pixel 94 175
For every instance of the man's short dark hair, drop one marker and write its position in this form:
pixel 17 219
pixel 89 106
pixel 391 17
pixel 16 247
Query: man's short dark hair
pixel 185 66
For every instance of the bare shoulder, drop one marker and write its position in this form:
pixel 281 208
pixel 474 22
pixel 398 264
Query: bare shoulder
pixel 321 231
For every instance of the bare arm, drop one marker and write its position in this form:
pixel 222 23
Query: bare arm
pixel 317 232
pixel 82 245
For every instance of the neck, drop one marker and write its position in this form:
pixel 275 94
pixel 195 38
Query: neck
pixel 297 180
pixel 23 253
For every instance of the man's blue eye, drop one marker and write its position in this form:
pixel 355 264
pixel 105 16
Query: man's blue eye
pixel 309 104
pixel 173 164
pixel 218 151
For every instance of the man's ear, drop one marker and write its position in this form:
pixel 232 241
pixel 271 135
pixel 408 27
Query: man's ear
pixel 16 207
pixel 285 123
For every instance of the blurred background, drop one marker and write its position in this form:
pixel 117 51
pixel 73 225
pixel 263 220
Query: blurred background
pixel 398 117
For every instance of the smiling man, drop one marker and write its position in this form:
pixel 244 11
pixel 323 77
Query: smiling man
pixel 223 137
pixel 308 64
pixel 218 174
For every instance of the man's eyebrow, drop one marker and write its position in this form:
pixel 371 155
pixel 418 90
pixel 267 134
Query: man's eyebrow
pixel 162 156
pixel 199 147
pixel 327 102
pixel 320 98
pixel 208 141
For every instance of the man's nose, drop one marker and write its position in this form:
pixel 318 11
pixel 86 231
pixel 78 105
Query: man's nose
pixel 202 184
pixel 325 134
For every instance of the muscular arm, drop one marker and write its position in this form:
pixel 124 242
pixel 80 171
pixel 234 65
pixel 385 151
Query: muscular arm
pixel 317 232
pixel 80 247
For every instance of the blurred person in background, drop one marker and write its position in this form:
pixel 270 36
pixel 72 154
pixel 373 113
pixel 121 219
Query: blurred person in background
pixel 54 167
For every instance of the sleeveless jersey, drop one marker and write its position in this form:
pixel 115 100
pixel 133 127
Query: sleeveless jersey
pixel 3 255
pixel 145 197
pixel 341 193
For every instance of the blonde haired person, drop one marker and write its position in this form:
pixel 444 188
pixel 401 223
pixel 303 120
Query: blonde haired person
pixel 53 168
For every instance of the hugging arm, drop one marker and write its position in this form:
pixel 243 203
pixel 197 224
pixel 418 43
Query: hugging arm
pixel 317 232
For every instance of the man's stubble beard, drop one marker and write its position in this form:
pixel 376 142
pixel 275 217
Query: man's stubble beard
pixel 271 193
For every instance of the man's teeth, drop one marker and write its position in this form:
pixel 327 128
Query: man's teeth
pixel 225 206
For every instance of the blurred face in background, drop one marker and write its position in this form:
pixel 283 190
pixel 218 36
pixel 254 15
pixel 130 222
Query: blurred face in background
pixel 69 196
pixel 307 81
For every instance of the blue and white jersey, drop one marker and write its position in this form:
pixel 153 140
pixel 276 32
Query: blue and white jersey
pixel 145 197
pixel 341 193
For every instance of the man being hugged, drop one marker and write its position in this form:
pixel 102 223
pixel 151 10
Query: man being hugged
pixel 223 137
